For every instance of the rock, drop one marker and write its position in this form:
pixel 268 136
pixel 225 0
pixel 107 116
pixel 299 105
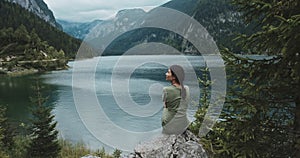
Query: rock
pixel 165 146
pixel 90 156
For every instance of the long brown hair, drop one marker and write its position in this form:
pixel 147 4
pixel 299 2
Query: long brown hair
pixel 178 72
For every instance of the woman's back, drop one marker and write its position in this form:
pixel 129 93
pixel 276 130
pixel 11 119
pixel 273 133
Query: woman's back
pixel 174 118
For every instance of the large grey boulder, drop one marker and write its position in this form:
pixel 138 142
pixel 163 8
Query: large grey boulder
pixel 169 146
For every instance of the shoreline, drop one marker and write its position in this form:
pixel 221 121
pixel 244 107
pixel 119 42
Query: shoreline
pixel 24 72
pixel 21 72
pixel 23 68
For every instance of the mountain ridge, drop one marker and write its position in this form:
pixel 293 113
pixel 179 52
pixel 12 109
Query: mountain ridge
pixel 220 18
pixel 124 18
pixel 40 8
pixel 78 29
pixel 14 15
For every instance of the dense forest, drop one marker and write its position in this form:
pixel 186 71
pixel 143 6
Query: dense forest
pixel 23 50
pixel 13 15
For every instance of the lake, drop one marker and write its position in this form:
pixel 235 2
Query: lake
pixel 112 101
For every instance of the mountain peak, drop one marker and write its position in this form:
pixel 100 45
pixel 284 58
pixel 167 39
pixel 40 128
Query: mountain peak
pixel 130 12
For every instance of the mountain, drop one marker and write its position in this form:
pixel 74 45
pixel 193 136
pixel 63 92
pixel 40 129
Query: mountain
pixel 105 31
pixel 220 18
pixel 77 29
pixel 13 16
pixel 40 8
pixel 186 6
pixel 121 22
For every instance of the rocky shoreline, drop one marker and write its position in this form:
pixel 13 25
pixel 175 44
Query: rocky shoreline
pixel 22 68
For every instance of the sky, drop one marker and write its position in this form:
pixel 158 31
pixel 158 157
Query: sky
pixel 89 10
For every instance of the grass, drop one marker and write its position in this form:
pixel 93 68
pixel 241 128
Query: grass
pixel 77 150
pixel 68 150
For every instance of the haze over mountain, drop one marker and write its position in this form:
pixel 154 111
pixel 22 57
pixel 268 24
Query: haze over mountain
pixel 124 20
pixel 78 29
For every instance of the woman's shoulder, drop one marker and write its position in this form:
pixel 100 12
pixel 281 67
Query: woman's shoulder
pixel 173 87
pixel 167 88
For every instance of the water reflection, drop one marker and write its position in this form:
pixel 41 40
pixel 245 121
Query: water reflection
pixel 16 92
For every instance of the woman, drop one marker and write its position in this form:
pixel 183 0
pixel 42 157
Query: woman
pixel 175 98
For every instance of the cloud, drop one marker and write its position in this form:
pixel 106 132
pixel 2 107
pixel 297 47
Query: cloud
pixel 88 10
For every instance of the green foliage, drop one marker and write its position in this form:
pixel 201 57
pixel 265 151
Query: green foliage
pixel 13 15
pixel 2 129
pixel 101 152
pixel 44 141
pixel 205 85
pixel 6 132
pixel 262 110
pixel 69 150
pixel 117 153
pixel 252 124
pixel 21 146
pixel 3 155
pixel 278 77
pixel 23 49
pixel 256 122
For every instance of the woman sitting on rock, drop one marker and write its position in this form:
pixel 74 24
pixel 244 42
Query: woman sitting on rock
pixel 176 99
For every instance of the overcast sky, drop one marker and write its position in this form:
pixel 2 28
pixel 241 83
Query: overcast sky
pixel 89 10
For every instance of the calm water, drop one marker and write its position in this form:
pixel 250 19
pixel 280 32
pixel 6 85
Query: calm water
pixel 113 79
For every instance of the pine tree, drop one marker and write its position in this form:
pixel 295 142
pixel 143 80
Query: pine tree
pixel 6 129
pixel 6 133
pixel 44 141
pixel 205 85
pixel 261 115
pixel 117 153
pixel 279 76
pixel 2 129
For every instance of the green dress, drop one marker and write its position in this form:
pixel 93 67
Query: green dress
pixel 174 117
